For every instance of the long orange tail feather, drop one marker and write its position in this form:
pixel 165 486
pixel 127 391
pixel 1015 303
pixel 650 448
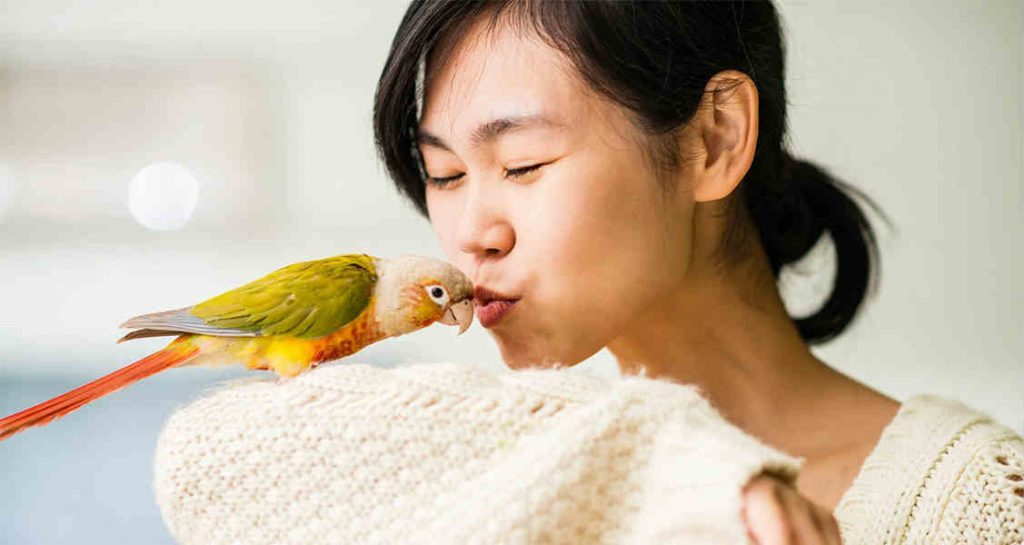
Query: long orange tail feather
pixel 63 404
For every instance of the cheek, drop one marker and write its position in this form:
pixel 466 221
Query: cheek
pixel 604 245
pixel 606 226
pixel 418 311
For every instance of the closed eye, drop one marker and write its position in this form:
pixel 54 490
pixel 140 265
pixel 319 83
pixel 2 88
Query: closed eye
pixel 509 173
pixel 522 171
pixel 441 182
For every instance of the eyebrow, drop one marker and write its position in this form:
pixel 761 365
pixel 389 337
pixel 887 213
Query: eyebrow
pixel 491 130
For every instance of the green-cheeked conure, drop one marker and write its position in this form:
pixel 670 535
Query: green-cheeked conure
pixel 289 321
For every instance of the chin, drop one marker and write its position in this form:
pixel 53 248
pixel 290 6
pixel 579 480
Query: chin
pixel 531 356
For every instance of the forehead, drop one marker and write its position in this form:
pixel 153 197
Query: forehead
pixel 491 72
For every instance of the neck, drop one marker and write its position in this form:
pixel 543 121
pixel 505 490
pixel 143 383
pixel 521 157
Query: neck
pixel 729 334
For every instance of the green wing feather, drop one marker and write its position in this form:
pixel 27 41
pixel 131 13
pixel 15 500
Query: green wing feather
pixel 305 300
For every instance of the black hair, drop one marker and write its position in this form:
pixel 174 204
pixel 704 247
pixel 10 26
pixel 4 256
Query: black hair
pixel 655 60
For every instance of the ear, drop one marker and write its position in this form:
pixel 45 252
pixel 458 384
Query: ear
pixel 725 135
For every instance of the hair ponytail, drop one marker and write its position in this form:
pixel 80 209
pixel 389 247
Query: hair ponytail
pixel 807 203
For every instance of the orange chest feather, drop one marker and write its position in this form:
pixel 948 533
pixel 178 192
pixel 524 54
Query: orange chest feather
pixel 353 337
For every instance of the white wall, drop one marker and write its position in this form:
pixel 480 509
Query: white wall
pixel 917 103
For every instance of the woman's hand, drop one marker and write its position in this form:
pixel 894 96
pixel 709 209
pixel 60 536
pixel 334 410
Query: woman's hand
pixel 776 514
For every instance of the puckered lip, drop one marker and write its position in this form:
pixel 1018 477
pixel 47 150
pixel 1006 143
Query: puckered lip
pixel 483 295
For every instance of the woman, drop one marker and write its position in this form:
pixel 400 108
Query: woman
pixel 615 174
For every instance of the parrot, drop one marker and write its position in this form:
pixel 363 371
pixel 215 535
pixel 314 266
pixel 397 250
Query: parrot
pixel 288 321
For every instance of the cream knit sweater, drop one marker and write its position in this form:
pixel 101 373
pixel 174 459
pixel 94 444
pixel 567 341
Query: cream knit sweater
pixel 446 453
pixel 941 473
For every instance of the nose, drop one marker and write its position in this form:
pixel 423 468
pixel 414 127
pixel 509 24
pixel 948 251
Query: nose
pixel 484 230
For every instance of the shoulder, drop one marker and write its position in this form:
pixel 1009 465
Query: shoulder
pixel 942 472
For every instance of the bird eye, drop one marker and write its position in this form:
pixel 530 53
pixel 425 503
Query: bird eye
pixel 438 294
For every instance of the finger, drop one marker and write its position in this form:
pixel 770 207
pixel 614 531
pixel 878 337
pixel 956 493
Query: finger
pixel 764 513
pixel 815 516
pixel 829 525
pixel 800 513
pixel 825 526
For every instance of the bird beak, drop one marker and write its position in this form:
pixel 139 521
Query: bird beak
pixel 460 314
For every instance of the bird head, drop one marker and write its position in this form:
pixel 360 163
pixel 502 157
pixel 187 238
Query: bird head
pixel 415 291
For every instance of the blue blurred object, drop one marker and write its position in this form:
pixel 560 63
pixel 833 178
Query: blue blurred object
pixel 88 477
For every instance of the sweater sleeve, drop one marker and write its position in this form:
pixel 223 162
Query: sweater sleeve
pixel 986 501
pixel 445 453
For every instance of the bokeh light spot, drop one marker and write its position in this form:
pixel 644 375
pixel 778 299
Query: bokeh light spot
pixel 163 196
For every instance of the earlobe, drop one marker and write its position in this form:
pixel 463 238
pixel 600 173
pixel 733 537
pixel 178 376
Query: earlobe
pixel 728 122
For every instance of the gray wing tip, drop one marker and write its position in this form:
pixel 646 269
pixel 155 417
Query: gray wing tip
pixel 144 320
pixel 146 333
pixel 178 321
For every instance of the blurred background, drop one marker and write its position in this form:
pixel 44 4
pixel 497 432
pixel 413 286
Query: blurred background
pixel 155 154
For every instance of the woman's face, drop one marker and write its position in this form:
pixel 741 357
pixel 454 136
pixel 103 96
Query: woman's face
pixel 550 198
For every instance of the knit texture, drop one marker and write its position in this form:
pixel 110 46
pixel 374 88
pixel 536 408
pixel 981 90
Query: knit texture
pixel 447 453
pixel 942 472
